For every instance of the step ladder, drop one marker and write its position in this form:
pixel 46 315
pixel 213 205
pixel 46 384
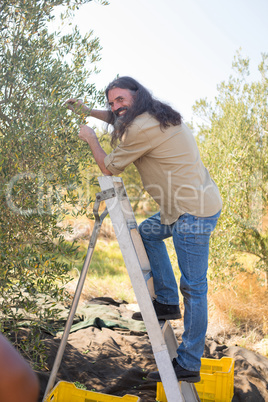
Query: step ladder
pixel 161 335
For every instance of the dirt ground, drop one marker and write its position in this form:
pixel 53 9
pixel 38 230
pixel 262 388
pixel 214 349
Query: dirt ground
pixel 116 362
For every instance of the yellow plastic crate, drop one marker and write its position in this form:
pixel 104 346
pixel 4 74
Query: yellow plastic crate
pixel 217 381
pixel 68 392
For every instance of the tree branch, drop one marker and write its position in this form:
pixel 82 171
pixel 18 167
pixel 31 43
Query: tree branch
pixel 4 117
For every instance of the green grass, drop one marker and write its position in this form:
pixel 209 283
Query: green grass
pixel 106 260
pixel 107 274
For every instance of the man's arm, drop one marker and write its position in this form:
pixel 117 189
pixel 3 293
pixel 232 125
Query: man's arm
pixel 88 135
pixel 104 115
pixel 78 107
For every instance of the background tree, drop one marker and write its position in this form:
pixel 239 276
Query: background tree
pixel 40 157
pixel 234 144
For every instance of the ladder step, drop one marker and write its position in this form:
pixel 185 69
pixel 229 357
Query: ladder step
pixel 170 338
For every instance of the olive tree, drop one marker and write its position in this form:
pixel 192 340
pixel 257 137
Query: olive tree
pixel 40 157
pixel 233 139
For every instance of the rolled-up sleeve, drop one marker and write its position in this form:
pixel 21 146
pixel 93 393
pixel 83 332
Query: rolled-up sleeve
pixel 133 146
pixel 110 165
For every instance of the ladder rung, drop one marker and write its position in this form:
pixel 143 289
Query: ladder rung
pixel 147 274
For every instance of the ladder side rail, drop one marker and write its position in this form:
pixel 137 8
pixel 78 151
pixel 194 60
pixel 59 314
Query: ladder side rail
pixel 135 235
pixel 154 331
pixel 132 224
pixel 78 291
pixel 143 260
pixel 130 258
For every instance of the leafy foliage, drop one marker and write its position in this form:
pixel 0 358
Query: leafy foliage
pixel 234 145
pixel 40 157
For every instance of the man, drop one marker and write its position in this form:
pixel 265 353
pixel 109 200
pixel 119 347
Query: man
pixel 18 383
pixel 151 135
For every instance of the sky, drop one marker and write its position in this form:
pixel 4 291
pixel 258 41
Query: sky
pixel 179 49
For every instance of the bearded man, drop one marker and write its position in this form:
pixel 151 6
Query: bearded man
pixel 152 135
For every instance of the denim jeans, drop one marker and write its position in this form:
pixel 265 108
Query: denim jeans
pixel 191 236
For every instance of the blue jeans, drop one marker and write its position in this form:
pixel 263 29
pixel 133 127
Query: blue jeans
pixel 191 236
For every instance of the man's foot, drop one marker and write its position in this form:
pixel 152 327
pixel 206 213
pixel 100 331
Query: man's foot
pixel 163 312
pixel 181 373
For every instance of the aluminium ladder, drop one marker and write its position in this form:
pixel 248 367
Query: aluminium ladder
pixel 161 335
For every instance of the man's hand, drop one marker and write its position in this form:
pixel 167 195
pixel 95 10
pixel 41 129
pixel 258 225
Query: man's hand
pixel 77 106
pixel 88 135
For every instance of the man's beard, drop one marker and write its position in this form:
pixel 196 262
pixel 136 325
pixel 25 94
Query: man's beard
pixel 119 122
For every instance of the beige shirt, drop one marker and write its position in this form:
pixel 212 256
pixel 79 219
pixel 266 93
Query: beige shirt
pixel 170 167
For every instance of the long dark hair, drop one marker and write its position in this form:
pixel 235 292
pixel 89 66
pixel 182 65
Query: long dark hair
pixel 142 102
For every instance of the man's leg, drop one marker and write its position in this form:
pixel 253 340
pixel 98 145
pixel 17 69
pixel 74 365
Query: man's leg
pixel 153 233
pixel 191 240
